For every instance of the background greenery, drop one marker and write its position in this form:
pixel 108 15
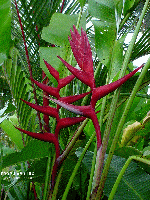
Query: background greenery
pixel 107 23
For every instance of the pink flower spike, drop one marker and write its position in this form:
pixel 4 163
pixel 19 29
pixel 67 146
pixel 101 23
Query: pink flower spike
pixel 68 121
pixel 102 91
pixel 82 50
pixel 86 78
pixel 50 90
pixel 52 70
pixel 47 110
pixel 64 81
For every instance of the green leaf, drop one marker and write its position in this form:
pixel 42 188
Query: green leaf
pixel 5 27
pixel 87 160
pixel 59 29
pixel 117 58
pixel 10 108
pixel 103 10
pixel 34 149
pixel 134 184
pixel 13 133
pixel 127 151
pixel 105 28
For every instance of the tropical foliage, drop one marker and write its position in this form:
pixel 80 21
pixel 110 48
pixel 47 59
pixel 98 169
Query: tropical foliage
pixel 66 160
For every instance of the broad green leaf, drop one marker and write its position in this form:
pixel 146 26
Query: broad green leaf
pixel 134 184
pixel 117 58
pixel 87 160
pixel 10 108
pixel 105 28
pixel 5 27
pixel 103 10
pixel 59 29
pixel 105 36
pixel 13 133
pixel 34 149
pixel 127 151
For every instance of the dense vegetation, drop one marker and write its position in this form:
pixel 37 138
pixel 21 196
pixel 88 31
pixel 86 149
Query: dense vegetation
pixel 56 152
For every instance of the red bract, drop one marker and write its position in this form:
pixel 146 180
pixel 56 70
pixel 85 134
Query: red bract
pixel 50 111
pixel 102 91
pixel 47 137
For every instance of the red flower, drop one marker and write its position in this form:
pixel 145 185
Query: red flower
pixel 83 55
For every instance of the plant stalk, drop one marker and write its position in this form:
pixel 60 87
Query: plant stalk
pixel 77 166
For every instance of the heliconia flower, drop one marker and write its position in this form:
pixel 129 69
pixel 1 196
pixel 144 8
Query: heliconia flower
pixel 47 137
pixel 82 52
pixel 102 91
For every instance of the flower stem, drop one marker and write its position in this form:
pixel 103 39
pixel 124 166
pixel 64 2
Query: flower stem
pixel 92 174
pixel 113 191
pixel 114 103
pixel 77 166
pixel 57 184
pixel 47 177
pixel 72 142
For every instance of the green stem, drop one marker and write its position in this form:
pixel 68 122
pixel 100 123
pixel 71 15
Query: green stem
pixel 114 103
pixel 77 166
pixel 137 95
pixel 1 162
pixel 57 184
pixel 92 174
pixel 79 19
pixel 47 177
pixel 72 142
pixel 113 191
pixel 103 103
